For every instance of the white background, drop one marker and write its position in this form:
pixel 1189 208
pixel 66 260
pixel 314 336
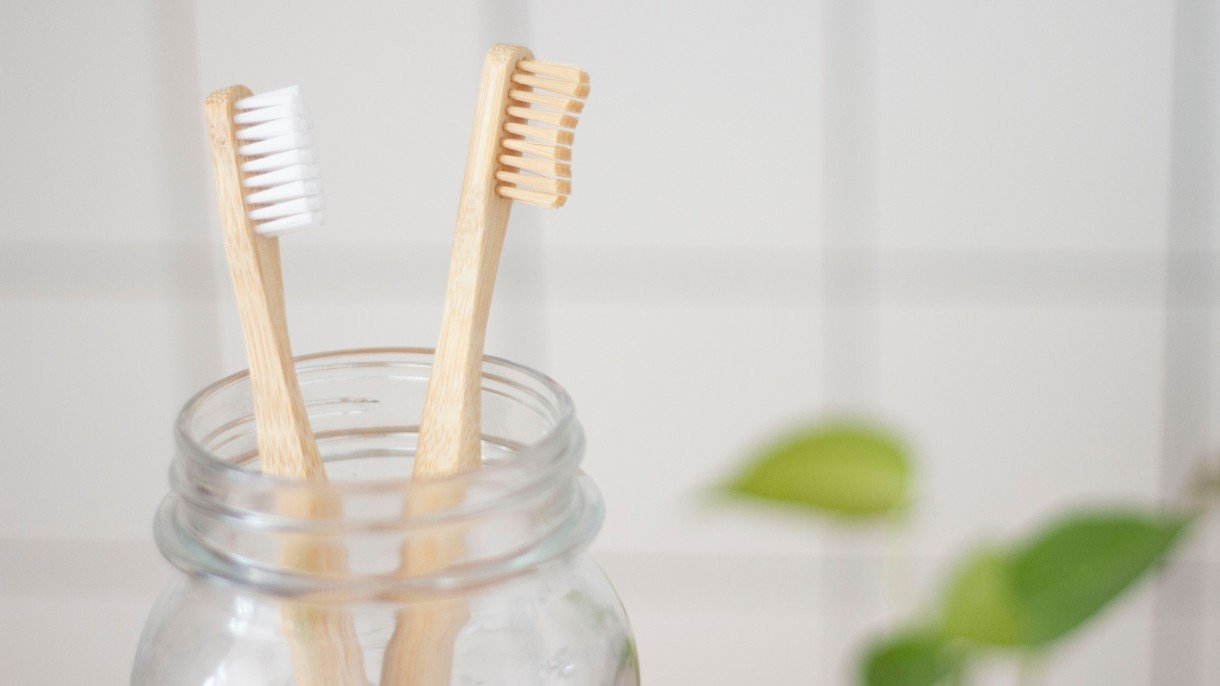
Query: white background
pixel 990 225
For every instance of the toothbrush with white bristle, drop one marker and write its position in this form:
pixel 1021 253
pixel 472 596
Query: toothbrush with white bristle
pixel 267 185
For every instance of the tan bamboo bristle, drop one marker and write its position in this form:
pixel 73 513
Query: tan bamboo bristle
pixel 565 72
pixel 536 182
pixel 542 118
pixel 553 118
pixel 553 152
pixel 555 102
pixel 556 136
pixel 559 170
pixel 562 87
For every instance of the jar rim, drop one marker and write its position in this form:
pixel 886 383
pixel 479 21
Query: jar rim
pixel 544 458
pixel 542 483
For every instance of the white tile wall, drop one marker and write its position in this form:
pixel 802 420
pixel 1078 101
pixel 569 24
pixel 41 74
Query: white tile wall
pixel 690 99
pixel 73 610
pixel 87 434
pixel 1023 125
pixel 712 392
pixel 1014 411
pixel 990 225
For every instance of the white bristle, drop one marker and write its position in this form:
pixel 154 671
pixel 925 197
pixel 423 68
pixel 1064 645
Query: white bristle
pixel 269 113
pixel 286 208
pixel 288 191
pixel 273 129
pixel 280 160
pixel 277 177
pixel 277 145
pixel 293 141
pixel 282 96
pixel 296 222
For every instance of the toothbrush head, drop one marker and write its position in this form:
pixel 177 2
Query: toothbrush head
pixel 278 162
pixel 545 100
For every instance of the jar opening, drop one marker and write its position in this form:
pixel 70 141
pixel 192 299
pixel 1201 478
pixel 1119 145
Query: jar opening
pixel 529 501
pixel 220 414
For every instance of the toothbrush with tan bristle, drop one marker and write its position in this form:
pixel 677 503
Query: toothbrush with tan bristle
pixel 519 152
pixel 266 183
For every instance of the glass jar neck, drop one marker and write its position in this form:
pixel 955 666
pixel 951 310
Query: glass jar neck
pixel 370 532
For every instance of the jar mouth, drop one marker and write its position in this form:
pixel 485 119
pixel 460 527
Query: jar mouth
pixel 532 462
pixel 529 502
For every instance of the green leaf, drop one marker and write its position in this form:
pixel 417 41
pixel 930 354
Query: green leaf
pixel 981 604
pixel 1076 567
pixel 843 469
pixel 1058 579
pixel 913 659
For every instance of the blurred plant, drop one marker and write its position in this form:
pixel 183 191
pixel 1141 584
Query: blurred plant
pixel 1020 597
pixel 849 470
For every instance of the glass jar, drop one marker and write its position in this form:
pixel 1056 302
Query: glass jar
pixel 513 600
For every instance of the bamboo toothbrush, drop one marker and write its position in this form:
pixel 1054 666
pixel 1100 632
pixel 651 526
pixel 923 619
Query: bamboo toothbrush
pixel 519 151
pixel 266 183
pixel 511 157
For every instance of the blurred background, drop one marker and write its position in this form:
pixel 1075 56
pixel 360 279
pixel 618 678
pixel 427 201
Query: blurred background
pixel 991 226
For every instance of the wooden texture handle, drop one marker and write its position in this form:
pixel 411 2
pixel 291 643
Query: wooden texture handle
pixel 324 646
pixel 449 433
pixel 285 442
pixel 420 652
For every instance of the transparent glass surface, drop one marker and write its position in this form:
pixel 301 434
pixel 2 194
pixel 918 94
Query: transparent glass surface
pixel 290 582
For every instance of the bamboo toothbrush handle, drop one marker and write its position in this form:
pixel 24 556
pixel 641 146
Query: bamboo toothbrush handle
pixel 323 641
pixel 420 653
pixel 285 441
pixel 449 434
